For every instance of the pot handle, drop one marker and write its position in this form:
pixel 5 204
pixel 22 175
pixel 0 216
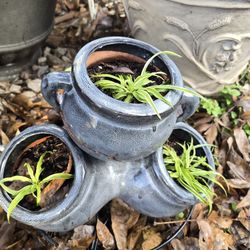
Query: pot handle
pixel 189 104
pixel 53 82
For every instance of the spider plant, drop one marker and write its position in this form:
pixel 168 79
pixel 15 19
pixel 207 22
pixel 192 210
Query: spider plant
pixel 34 184
pixel 192 171
pixel 127 88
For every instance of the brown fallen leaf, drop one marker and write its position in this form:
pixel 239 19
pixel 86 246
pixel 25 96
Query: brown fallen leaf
pixel 177 244
pixel 238 183
pixel 24 101
pixel 66 17
pixel 9 106
pixel 244 218
pixel 4 137
pixel 6 234
pixel 244 102
pixel 245 202
pixel 222 240
pixel 61 245
pixel 241 236
pixel 36 142
pixel 230 141
pixel 237 171
pixel 206 236
pixel 242 142
pixel 82 238
pixel 245 116
pixel 123 218
pixel 54 186
pixel 205 119
pixel 222 153
pixel 235 158
pixel 239 168
pixel 191 243
pixel 245 242
pixel 104 236
pixel 151 239
pixel 136 233
pixel 198 213
pixel 221 221
pixel 203 127
pixel 211 134
pixel 72 4
pixel 15 127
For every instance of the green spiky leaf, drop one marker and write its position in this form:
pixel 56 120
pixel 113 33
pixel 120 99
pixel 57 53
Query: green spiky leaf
pixel 192 171
pixel 62 176
pixel 35 186
pixel 21 194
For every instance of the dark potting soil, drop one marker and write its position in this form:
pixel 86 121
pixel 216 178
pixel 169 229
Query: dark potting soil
pixel 120 67
pixel 57 160
pixel 175 146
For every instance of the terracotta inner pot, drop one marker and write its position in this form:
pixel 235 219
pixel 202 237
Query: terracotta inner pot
pixel 108 55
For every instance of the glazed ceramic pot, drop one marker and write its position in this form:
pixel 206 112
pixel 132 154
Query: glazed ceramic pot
pixel 24 25
pixel 212 37
pixel 105 127
pixel 143 184
pixel 55 214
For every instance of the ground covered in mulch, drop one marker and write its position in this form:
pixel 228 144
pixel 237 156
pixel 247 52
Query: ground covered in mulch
pixel 224 121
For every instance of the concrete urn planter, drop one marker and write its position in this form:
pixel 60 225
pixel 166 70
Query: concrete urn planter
pixel 212 36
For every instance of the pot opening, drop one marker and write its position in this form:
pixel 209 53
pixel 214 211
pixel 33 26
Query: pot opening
pixel 125 52
pixel 128 77
pixel 188 163
pixel 182 136
pixel 54 157
pixel 92 54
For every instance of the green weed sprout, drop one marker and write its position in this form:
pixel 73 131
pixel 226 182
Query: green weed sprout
pixel 34 187
pixel 219 106
pixel 123 87
pixel 192 171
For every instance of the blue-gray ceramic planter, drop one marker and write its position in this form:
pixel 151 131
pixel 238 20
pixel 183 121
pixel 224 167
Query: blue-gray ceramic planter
pixel 107 128
pixel 8 158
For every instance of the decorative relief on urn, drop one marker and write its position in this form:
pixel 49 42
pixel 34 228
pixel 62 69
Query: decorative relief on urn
pixel 213 37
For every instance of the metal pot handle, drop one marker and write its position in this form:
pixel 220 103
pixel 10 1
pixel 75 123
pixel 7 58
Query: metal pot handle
pixel 51 83
pixel 189 104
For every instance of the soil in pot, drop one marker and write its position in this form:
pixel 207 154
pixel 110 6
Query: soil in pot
pixel 58 159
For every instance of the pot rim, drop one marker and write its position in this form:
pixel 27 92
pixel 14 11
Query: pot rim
pixel 162 173
pixel 225 4
pixel 87 89
pixel 58 211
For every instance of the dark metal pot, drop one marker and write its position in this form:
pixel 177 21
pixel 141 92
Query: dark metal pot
pixel 144 184
pixel 107 128
pixel 24 25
